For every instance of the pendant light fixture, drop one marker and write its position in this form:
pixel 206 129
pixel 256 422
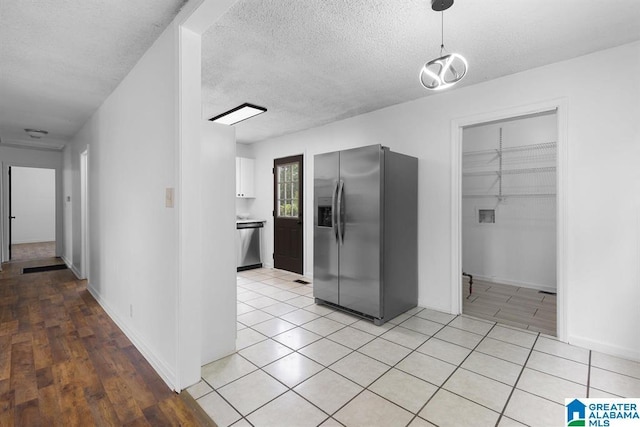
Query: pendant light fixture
pixel 447 70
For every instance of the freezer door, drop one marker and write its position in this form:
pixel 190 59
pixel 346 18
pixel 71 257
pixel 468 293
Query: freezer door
pixel 325 237
pixel 360 226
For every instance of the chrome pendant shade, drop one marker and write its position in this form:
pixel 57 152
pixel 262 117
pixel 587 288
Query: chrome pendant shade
pixel 443 72
pixel 447 70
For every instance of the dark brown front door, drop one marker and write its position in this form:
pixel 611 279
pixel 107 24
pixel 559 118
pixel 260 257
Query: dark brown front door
pixel 287 214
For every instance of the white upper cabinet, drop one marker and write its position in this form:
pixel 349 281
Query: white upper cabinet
pixel 245 187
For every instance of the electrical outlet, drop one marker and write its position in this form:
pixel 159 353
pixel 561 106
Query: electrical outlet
pixel 130 310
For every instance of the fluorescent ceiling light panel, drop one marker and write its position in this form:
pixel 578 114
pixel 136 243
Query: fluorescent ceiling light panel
pixel 238 114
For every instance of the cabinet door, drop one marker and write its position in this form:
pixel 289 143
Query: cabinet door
pixel 247 186
pixel 238 177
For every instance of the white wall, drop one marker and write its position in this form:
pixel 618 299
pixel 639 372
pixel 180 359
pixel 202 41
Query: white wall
pixel 133 246
pixel 520 247
pixel 147 258
pixel 33 203
pixel 68 179
pixel 218 226
pixel 244 150
pixel 603 232
pixel 24 157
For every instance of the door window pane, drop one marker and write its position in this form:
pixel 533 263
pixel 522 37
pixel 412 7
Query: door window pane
pixel 288 190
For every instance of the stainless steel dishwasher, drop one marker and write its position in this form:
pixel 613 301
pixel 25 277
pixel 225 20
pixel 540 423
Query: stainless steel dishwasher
pixel 248 244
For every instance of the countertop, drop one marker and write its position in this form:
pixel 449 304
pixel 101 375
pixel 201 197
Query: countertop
pixel 245 221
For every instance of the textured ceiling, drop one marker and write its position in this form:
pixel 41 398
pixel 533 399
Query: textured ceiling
pixel 60 59
pixel 309 62
pixel 312 62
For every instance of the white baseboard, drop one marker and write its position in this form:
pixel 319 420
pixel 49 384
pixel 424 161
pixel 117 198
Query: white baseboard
pixel 501 281
pixel 613 350
pixel 440 309
pixel 166 373
pixel 72 267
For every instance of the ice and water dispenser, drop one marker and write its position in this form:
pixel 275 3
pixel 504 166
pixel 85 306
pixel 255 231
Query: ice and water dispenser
pixel 325 211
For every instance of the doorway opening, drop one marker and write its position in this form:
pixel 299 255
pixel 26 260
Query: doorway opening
pixel 509 221
pixel 32 213
pixel 288 241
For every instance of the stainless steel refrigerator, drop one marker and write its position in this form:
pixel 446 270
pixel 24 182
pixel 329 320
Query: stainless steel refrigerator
pixel 365 250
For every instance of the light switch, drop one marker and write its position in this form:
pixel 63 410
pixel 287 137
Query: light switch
pixel 168 198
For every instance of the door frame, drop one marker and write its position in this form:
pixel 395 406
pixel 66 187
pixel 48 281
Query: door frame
pixel 301 206
pixel 562 175
pixel 84 214
pixel 10 212
pixel 4 202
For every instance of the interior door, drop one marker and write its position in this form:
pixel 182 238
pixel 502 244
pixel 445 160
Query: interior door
pixel 287 214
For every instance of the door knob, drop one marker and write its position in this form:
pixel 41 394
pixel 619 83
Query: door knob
pixel 12 217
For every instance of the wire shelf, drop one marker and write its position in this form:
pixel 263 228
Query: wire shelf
pixel 509 195
pixel 543 169
pixel 496 151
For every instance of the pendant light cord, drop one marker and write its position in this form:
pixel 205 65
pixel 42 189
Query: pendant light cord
pixel 441 32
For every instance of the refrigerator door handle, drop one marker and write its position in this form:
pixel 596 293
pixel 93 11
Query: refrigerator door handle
pixel 334 220
pixel 340 214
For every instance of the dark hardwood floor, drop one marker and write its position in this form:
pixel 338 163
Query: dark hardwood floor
pixel 63 362
pixel 28 251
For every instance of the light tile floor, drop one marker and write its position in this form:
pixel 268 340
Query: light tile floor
pixel 523 308
pixel 301 364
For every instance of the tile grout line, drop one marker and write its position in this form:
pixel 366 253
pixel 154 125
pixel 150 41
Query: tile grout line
pixel 380 376
pixel 412 350
pixel 296 351
pixel 535 303
pixel 351 352
pixel 214 390
pixel 513 389
pixel 452 372
pixel 329 416
pixel 390 367
pixel 348 379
